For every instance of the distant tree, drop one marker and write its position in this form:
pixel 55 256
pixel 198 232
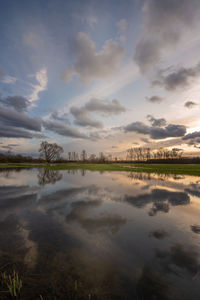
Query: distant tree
pixel 92 157
pixel 50 152
pixel 83 155
pixel 102 157
pixel 69 155
pixel 130 154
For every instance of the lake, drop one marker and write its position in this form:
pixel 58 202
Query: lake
pixel 78 234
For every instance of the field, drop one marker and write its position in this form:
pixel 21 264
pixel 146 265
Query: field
pixel 181 169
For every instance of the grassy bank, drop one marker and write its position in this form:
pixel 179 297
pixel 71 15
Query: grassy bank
pixel 181 169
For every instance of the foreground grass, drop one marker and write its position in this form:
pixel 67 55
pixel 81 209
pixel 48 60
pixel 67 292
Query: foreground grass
pixel 181 169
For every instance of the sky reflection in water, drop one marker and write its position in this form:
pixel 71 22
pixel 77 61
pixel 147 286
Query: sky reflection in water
pixel 86 235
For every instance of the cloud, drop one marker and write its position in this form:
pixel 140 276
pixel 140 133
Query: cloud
pixel 102 221
pixel 90 64
pixel 9 117
pixel 192 135
pixel 159 234
pixel 190 104
pixel 171 130
pixel 19 103
pixel 106 107
pixel 155 99
pixel 156 122
pixel 13 132
pixel 9 146
pixel 138 127
pixel 192 139
pixel 155 132
pixel 178 78
pixel 82 119
pixel 122 26
pixel 9 79
pixel 42 79
pixel 160 198
pixel 170 21
pixel 145 140
pixel 195 228
pixel 92 21
pixel 102 107
pixel 57 117
pixel 63 130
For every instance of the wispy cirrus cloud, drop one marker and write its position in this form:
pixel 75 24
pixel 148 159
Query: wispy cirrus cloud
pixel 9 79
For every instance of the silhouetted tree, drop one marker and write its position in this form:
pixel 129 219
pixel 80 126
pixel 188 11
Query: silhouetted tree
pixel 83 155
pixel 50 152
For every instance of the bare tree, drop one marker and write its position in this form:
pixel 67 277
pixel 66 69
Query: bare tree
pixel 69 156
pixel 130 154
pixel 102 157
pixel 50 152
pixel 83 155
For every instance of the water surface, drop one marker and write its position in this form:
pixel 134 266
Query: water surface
pixel 88 235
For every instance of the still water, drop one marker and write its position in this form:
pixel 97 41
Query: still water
pixel 90 235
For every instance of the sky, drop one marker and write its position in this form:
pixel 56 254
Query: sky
pixel 103 76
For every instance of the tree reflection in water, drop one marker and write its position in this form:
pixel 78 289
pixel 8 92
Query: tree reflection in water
pixel 46 176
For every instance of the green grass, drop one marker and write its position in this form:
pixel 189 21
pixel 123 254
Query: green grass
pixel 181 169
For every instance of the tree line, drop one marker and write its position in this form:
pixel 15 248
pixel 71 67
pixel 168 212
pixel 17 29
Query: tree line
pixel 52 152
pixel 142 153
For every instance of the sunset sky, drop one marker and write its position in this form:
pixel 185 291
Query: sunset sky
pixel 100 75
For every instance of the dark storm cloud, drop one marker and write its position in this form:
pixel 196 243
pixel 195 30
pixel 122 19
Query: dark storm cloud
pixel 155 132
pixel 9 117
pixel 190 104
pixel 138 127
pixel 192 139
pixel 170 130
pixel 156 122
pixel 19 103
pixel 63 130
pixel 13 132
pixel 155 99
pixel 17 124
pixel 103 107
pixel 192 135
pixel 179 78
pixel 169 20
